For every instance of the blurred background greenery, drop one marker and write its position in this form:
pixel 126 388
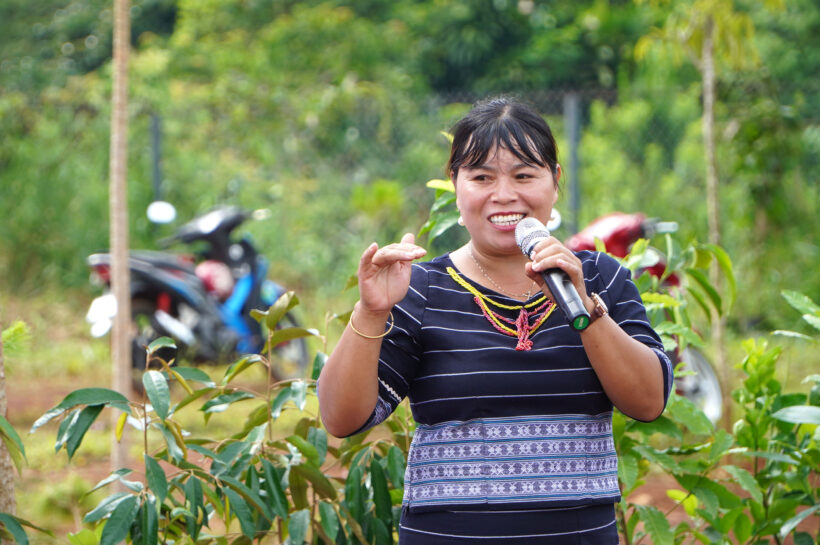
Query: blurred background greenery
pixel 328 113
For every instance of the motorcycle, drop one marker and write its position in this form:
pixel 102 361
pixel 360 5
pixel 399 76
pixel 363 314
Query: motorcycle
pixel 203 301
pixel 619 231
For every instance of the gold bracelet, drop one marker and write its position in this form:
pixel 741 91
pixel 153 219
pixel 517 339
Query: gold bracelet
pixel 359 333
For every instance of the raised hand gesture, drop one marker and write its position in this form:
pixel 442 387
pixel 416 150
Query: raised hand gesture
pixel 384 274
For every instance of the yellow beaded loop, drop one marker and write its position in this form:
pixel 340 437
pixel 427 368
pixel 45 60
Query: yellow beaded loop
pixel 360 334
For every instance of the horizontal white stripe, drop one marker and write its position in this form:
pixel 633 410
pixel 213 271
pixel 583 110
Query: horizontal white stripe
pixel 507 396
pixel 503 372
pixel 509 536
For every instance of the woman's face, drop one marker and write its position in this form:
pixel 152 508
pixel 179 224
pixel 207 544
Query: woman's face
pixel 493 197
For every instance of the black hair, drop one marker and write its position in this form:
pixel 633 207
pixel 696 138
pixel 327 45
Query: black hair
pixel 502 122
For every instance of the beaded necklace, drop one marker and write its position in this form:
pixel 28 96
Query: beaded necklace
pixel 523 329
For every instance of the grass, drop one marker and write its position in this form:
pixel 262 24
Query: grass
pixel 60 357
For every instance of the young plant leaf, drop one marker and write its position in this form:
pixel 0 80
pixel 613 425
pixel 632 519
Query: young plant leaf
pixel 329 519
pixel 240 509
pixel 121 421
pixel 84 396
pixel 195 375
pixel 14 528
pixel 221 402
pixel 116 528
pixel 14 445
pixel 156 387
pixel 747 481
pixel 396 466
pixel 381 496
pixel 656 524
pixel 155 476
pixel 77 431
pixel 298 524
pixel 149 525
pixel 799 414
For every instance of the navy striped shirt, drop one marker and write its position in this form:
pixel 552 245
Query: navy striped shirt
pixel 498 426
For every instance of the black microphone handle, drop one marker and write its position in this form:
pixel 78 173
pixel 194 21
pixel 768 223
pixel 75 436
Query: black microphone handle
pixel 567 298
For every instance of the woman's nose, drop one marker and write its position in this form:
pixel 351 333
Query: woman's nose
pixel 504 190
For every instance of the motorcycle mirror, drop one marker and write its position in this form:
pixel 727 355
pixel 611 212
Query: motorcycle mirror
pixel 554 221
pixel 161 212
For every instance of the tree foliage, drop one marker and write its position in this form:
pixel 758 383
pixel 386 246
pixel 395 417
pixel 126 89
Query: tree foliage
pixel 322 111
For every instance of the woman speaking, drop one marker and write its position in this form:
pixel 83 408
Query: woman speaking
pixel 513 405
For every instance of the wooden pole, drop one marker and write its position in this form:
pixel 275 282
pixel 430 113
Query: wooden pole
pixel 118 213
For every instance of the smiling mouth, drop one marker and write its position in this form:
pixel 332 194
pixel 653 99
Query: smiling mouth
pixel 506 219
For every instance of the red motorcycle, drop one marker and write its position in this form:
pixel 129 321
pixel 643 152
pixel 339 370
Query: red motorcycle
pixel 618 232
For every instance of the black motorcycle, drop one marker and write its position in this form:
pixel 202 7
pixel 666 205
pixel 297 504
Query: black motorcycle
pixel 203 301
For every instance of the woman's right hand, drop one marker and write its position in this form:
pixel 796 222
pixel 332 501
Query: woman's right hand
pixel 384 274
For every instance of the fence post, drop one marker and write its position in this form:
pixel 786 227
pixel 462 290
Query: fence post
pixel 572 126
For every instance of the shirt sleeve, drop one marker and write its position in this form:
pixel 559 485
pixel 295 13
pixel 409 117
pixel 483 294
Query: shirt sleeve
pixel 613 283
pixel 401 350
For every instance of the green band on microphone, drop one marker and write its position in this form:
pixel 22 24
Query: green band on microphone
pixel 580 323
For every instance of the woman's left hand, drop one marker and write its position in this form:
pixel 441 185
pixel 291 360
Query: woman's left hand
pixel 551 254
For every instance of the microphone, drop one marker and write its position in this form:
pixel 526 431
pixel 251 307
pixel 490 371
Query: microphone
pixel 528 233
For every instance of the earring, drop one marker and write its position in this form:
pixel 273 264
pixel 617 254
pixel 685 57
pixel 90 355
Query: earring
pixel 554 215
pixel 460 221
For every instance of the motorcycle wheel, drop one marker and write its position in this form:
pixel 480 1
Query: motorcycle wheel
pixel 703 387
pixel 144 330
pixel 290 359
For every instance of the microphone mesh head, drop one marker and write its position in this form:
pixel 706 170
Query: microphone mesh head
pixel 528 232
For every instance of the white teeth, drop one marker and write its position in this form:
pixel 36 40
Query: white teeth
pixel 507 219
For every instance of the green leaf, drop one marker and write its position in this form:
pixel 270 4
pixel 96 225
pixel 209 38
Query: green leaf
pixel 14 445
pixel 116 528
pixel 396 466
pixel 354 493
pixel 661 425
pixel 308 450
pixel 328 519
pixel 707 287
pixel 221 402
pixel 193 500
pixel 742 528
pixel 239 366
pixel 381 496
pixel 156 386
pixel 77 430
pixel 149 522
pixel 318 438
pixel 276 494
pixel 801 302
pixel 628 470
pixel 318 364
pixel 792 523
pixel 84 396
pixel 298 524
pixel 83 537
pixel 195 375
pixel 684 412
pixel 656 524
pixel 155 476
pixel 747 481
pixel 298 488
pixel 115 476
pixel 289 333
pixel 14 528
pixel 279 308
pixel 684 498
pixel 240 508
pixel 105 506
pixel 799 414
pixel 320 483
pixel 172 442
pixel 725 264
pixel 249 496
pixel 721 442
pixel 162 342
pixel 8 431
pixel 442 185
